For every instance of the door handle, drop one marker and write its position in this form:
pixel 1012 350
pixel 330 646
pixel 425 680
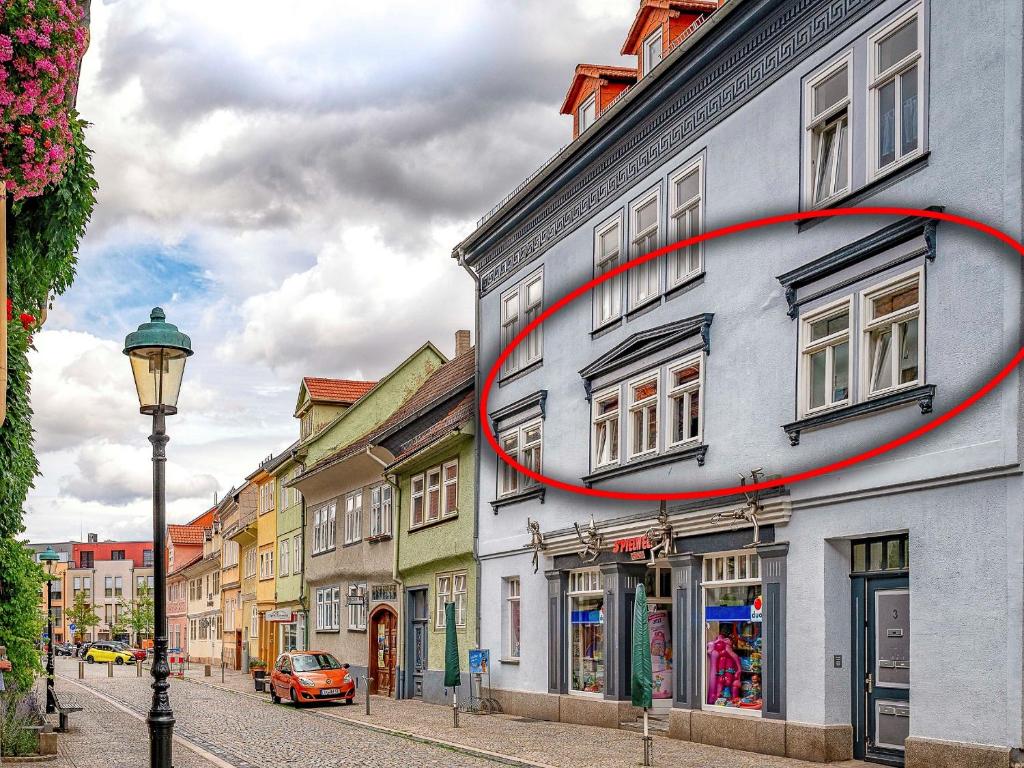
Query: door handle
pixel 869 683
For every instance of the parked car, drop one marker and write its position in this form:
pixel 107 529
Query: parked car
pixel 137 653
pixel 104 652
pixel 308 676
pixel 63 649
pixel 82 649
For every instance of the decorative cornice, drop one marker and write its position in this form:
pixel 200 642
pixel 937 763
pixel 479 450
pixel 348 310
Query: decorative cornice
pixel 924 395
pixel 533 400
pixel 644 343
pixel 706 87
pixel 888 237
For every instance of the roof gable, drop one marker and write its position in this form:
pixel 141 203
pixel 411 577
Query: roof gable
pixel 586 72
pixel 647 7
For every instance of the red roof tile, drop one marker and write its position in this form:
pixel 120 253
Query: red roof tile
pixel 599 71
pixel 336 390
pixel 185 534
pixel 461 412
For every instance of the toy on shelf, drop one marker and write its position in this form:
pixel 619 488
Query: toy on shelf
pixel 724 668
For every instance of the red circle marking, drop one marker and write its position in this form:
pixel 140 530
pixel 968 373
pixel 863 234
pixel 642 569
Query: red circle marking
pixel 850 461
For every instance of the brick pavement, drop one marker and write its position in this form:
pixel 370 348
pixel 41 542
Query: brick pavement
pixel 559 745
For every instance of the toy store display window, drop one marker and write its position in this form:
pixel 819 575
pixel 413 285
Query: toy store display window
pixel 586 632
pixel 732 633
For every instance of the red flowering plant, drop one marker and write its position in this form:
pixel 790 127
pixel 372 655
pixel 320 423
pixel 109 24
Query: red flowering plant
pixel 41 47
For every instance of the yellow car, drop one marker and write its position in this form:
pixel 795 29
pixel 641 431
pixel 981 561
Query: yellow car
pixel 104 652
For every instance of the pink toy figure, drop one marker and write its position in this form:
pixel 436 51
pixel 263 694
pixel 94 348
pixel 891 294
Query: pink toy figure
pixel 724 667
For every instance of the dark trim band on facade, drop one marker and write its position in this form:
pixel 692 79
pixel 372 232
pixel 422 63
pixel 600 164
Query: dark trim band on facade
pixel 698 452
pixel 760 44
pixel 888 237
pixel 923 396
pixel 645 343
pixel 536 492
pixel 509 378
pixel 535 400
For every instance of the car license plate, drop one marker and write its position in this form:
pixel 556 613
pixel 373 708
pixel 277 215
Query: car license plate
pixel 330 691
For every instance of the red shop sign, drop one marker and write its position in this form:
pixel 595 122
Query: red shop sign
pixel 636 546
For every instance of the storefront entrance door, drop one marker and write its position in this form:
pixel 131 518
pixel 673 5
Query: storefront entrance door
pixel 383 639
pixel 417 636
pixel 882 667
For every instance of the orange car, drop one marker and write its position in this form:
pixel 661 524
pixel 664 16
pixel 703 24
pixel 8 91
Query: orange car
pixel 307 676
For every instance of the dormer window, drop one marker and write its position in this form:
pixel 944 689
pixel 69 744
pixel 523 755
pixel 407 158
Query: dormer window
pixel 652 51
pixel 307 424
pixel 587 113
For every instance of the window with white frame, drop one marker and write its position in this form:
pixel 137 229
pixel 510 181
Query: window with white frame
pixel 266 498
pixel 825 357
pixel 652 50
pixel 328 609
pixel 892 344
pixel 306 423
pixel 521 305
pixel 282 501
pixel 230 553
pixel 513 616
pixel 417 499
pixel 586 632
pixel 684 387
pixel 267 565
pixel 380 510
pixel 283 551
pixel 250 563
pixel 587 113
pixel 896 83
pixel 607 256
pixel 643 415
pixel 606 427
pixel 687 212
pixel 254 622
pixel 353 517
pixel 524 444
pixel 357 607
pixel 324 522
pixel 827 105
pixel 450 588
pixel 435 494
pixel 297 554
pixel 644 279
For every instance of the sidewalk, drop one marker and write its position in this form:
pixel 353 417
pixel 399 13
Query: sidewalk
pixel 543 743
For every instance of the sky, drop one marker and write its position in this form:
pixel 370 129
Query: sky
pixel 287 182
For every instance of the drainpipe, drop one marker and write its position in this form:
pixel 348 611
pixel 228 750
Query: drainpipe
pixel 302 580
pixel 460 255
pixel 400 585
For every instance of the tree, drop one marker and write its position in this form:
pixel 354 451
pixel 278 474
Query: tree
pixel 136 616
pixel 21 621
pixel 81 614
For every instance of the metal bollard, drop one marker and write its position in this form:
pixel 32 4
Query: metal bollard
pixel 110 669
pixel 222 672
pixel 138 669
pixel 368 680
pixel 81 670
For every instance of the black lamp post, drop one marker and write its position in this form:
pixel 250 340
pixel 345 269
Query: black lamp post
pixel 158 351
pixel 49 557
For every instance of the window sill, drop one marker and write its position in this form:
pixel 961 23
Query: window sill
pixel 648 305
pixel 508 661
pixel 348 544
pixel 697 452
pixel 379 537
pixel 608 327
pixel 432 523
pixel 356 629
pixel 876 185
pixel 685 285
pixel 327 631
pixel 923 395
pixel 314 554
pixel 514 375
pixel 535 492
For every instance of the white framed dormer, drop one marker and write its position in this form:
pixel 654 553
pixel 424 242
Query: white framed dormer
pixel 825 357
pixel 608 249
pixel 892 335
pixel 828 114
pixel 642 400
pixel 686 214
pixel 586 114
pixel 645 236
pixel 684 391
pixel 896 66
pixel 652 50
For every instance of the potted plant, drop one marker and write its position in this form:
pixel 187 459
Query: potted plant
pixel 258 670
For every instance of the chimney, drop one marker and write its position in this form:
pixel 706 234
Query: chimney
pixel 94 538
pixel 461 342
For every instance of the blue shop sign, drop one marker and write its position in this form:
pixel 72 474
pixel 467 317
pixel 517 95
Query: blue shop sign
pixel 727 613
pixel 587 617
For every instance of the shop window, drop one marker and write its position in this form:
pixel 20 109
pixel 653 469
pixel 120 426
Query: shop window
pixel 733 632
pixel 885 553
pixel 586 632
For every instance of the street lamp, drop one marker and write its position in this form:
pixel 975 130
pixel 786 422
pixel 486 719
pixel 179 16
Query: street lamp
pixel 49 557
pixel 157 351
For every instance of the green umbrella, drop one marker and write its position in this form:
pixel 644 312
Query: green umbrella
pixel 452 675
pixel 642 686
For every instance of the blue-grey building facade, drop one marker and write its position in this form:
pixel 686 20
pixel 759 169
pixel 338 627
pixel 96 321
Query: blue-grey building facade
pixel 876 611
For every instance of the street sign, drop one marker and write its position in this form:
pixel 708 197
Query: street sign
pixel 71 627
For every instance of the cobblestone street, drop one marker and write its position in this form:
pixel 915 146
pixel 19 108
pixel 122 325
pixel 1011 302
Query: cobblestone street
pixel 243 729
